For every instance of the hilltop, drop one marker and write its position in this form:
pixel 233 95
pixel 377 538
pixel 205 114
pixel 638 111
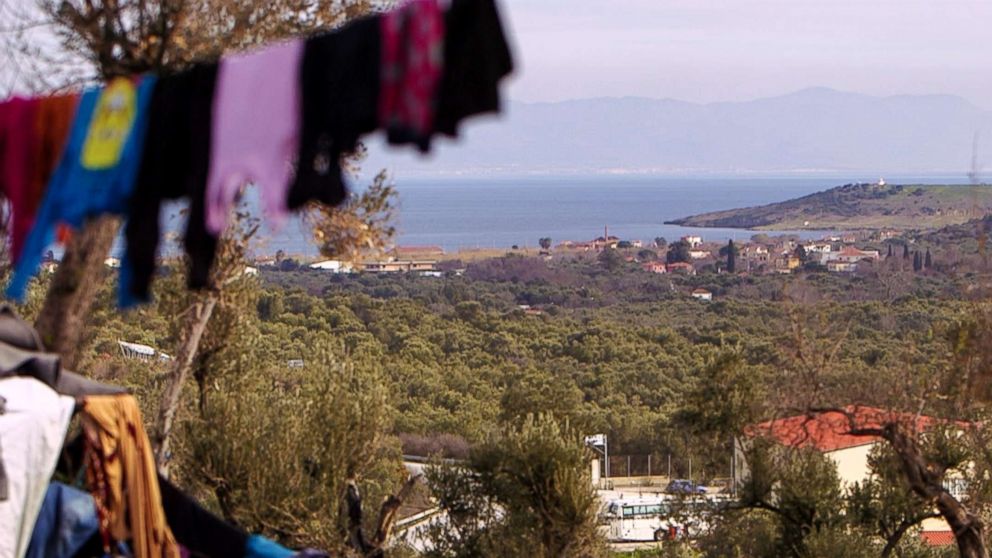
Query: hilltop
pixel 860 206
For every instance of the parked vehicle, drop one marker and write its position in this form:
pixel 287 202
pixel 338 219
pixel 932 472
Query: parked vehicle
pixel 683 486
pixel 660 518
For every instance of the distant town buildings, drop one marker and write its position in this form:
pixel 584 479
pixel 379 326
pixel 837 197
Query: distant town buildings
pixel 693 241
pixel 333 266
pixel 399 266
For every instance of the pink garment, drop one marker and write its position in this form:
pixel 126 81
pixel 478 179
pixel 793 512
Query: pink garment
pixel 18 161
pixel 412 58
pixel 256 122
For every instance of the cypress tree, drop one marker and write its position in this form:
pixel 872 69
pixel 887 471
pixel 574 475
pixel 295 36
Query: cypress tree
pixel 917 261
pixel 928 261
pixel 905 251
pixel 731 257
pixel 890 251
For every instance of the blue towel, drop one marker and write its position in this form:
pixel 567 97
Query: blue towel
pixel 66 521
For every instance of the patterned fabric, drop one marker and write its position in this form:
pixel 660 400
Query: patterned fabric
pixel 411 66
pixel 123 478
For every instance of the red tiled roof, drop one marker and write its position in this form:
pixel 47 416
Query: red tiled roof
pixel 938 538
pixel 852 251
pixel 830 431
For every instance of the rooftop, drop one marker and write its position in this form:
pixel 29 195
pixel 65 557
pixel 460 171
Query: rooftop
pixel 830 431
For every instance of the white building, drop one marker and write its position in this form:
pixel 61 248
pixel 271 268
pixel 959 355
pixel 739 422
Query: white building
pixel 693 241
pixel 850 254
pixel 334 266
pixel 141 352
pixel 702 294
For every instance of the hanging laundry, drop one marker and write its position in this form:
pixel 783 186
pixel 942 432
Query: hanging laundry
pixel 198 530
pixel 32 430
pixel 66 521
pixel 123 477
pixel 256 125
pixel 21 354
pixel 339 78
pixel 32 135
pixel 476 59
pixel 96 172
pixel 410 70
pixel 175 165
pixel 261 547
pixel 17 138
pixel 52 125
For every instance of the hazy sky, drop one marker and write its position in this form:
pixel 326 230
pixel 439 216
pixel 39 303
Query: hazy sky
pixel 708 50
pixel 715 50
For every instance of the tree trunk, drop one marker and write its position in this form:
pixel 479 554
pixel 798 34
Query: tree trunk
pixel 374 548
pixel 925 481
pixel 62 321
pixel 199 317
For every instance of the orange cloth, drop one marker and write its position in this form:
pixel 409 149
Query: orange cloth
pixel 52 122
pixel 130 496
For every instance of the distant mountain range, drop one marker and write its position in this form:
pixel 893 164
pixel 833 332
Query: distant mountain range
pixel 813 130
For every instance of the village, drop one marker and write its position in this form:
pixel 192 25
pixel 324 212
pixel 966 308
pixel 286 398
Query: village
pixel 762 254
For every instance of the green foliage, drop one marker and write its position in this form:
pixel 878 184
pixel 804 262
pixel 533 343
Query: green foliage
pixel 678 252
pixel 800 486
pixel 525 491
pixel 611 259
pixel 275 447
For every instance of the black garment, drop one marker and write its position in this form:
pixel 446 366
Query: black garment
pixel 339 80
pixel 201 532
pixel 175 164
pixel 476 58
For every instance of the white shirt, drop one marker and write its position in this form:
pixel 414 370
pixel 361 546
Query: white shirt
pixel 32 431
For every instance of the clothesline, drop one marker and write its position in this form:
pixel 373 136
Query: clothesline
pixel 127 503
pixel 280 117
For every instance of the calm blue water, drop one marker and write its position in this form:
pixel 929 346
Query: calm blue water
pixel 500 213
pixel 487 213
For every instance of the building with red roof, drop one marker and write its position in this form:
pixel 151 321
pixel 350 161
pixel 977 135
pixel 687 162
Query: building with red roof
pixel 831 433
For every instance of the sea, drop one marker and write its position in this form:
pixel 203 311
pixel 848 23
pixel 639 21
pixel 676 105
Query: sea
pixel 499 213
pixel 487 213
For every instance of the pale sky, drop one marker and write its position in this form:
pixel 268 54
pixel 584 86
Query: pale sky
pixel 717 50
pixel 720 50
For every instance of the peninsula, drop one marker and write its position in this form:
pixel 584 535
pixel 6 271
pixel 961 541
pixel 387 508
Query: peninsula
pixel 859 206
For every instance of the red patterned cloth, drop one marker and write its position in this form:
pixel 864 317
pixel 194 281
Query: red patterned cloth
pixel 412 63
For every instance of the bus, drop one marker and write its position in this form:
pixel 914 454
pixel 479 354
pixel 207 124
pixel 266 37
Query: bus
pixel 656 518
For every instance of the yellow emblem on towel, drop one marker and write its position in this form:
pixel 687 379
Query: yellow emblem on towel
pixel 110 126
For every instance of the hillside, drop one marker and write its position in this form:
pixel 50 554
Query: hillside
pixel 810 130
pixel 859 206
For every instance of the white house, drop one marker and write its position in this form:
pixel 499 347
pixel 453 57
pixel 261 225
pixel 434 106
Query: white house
pixel 334 266
pixel 850 254
pixel 702 294
pixel 817 247
pixel 141 352
pixel 693 241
